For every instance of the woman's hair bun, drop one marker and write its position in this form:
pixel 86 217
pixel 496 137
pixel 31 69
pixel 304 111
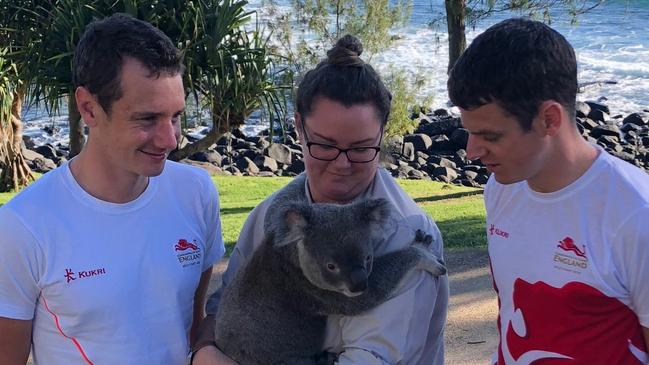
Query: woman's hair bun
pixel 346 52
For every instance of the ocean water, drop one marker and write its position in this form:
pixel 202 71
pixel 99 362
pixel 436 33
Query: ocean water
pixel 611 43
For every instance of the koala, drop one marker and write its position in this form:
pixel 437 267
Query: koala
pixel 316 260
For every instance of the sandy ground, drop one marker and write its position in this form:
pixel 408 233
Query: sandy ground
pixel 471 335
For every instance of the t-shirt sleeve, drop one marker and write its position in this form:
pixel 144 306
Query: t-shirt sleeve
pixel 631 249
pixel 19 268
pixel 409 327
pixel 214 246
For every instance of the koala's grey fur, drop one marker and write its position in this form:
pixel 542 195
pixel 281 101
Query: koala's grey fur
pixel 275 309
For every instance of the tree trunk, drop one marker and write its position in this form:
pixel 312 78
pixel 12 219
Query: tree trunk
pixel 77 137
pixel 198 146
pixel 15 171
pixel 220 125
pixel 455 13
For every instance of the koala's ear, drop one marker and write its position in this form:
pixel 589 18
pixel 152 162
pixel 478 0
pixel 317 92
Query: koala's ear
pixel 296 218
pixel 377 211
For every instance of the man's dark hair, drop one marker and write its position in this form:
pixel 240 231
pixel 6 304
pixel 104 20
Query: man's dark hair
pixel 518 64
pixel 344 77
pixel 99 55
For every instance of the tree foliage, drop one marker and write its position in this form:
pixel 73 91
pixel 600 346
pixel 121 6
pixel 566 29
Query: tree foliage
pixel 229 70
pixel 462 12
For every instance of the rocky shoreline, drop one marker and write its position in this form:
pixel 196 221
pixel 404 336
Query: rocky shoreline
pixel 435 151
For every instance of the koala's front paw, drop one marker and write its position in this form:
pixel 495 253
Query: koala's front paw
pixel 423 238
pixel 428 261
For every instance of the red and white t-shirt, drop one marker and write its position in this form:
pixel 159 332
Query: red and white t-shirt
pixel 571 267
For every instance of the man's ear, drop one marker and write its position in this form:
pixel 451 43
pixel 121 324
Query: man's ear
pixel 553 116
pixel 298 125
pixel 87 105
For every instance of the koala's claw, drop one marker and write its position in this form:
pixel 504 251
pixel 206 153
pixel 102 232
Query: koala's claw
pixel 423 238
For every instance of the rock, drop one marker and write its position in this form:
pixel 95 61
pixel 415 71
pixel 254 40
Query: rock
pixel 266 163
pixel 212 157
pixel 29 142
pixel 588 123
pixel 440 126
pixel 441 143
pixel 445 174
pixel 209 167
pixel 459 138
pixel 420 141
pixel 48 151
pixel 605 130
pixel 295 168
pixel 441 161
pixel 416 174
pixel 441 113
pixel 597 106
pixel 582 109
pixel 279 152
pixel 636 119
pixel 41 165
pixel 30 155
pixel 599 116
pixel 245 164
pixel 408 151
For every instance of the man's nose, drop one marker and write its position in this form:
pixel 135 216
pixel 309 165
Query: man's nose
pixel 474 149
pixel 167 135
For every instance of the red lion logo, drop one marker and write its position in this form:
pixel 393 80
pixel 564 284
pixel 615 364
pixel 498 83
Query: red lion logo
pixel 183 245
pixel 567 244
pixel 572 324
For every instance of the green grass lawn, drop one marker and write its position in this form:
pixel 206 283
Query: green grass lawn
pixel 458 211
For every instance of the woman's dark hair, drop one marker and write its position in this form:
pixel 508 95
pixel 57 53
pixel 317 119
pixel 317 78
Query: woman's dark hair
pixel 344 77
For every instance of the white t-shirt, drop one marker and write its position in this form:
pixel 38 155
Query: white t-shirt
pixel 406 329
pixel 571 267
pixel 108 283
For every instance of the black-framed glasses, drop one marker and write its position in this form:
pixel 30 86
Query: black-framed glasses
pixel 327 152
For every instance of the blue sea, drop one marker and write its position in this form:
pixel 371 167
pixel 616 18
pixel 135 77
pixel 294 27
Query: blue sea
pixel 611 42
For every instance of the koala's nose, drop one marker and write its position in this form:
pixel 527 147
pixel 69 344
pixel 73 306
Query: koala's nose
pixel 358 280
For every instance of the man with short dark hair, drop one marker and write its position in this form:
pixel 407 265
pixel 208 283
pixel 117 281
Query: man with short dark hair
pixel 567 223
pixel 106 259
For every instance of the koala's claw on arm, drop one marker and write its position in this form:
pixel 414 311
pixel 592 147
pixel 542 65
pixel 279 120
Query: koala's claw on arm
pixel 423 238
pixel 428 260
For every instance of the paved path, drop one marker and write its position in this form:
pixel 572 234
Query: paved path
pixel 471 334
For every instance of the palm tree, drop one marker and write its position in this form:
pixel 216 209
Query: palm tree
pixel 21 35
pixel 229 68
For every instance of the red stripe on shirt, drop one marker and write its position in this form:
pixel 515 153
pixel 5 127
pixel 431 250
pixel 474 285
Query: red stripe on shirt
pixel 74 340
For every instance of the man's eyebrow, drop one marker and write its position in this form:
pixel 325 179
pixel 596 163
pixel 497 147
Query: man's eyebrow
pixel 482 132
pixel 143 115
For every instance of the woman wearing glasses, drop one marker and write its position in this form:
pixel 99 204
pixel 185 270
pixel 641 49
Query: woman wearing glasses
pixel 342 107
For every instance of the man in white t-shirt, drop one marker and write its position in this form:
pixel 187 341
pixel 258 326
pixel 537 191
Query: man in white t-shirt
pixel 567 223
pixel 106 259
